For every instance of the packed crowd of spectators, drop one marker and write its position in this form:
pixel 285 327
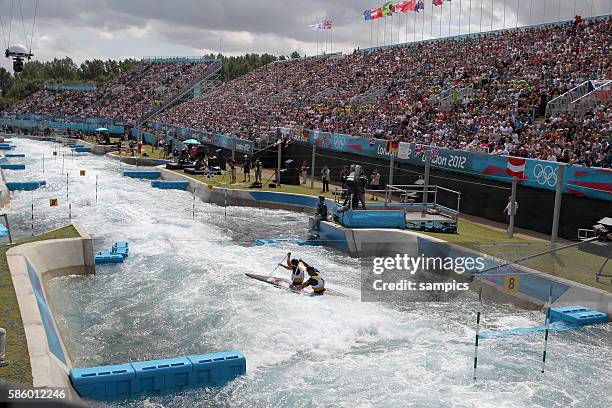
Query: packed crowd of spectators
pixel 391 93
pixel 126 97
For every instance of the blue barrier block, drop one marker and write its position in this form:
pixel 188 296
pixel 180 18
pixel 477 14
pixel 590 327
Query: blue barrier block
pixel 9 155
pixel 170 185
pixel 302 242
pixel 7 147
pixel 161 376
pixel 74 145
pixel 7 166
pixel 216 369
pixel 372 219
pixel 105 382
pixel 25 185
pixel 6 144
pixel 577 315
pixel 586 318
pixel 103 257
pixel 149 175
pixel 120 248
pixel 558 313
pixel 3 231
pixel 82 149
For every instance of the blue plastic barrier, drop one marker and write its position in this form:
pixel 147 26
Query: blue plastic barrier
pixel 25 185
pixel 7 147
pixel 3 231
pixel 577 315
pixel 149 175
pixel 103 257
pixel 160 376
pixel 300 242
pixel 105 382
pixel 9 155
pixel 372 219
pixel 7 166
pixel 170 185
pixel 216 369
pixel 120 248
pixel 82 149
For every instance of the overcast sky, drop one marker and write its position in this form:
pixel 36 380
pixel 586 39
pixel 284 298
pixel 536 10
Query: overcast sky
pixel 85 29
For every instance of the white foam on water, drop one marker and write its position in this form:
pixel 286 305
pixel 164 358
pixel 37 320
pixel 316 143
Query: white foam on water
pixel 183 291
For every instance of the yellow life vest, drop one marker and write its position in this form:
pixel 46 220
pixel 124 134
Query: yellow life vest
pixel 320 285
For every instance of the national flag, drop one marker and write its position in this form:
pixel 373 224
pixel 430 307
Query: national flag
pixel 438 2
pixel 419 149
pixel 388 8
pixel 399 7
pixel 367 15
pixel 394 146
pixel 434 153
pixel 376 13
pixel 372 140
pixel 419 6
pixel 327 25
pixel 516 167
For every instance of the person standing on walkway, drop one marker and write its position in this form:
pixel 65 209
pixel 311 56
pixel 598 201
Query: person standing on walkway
pixel 3 362
pixel 375 183
pixel 508 209
pixel 325 176
pixel 304 171
pixel 258 170
pixel 246 166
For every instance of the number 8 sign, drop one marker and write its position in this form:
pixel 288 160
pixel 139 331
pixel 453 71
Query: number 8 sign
pixel 512 283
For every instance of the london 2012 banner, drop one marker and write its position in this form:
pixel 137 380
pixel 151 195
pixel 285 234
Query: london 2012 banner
pixel 578 180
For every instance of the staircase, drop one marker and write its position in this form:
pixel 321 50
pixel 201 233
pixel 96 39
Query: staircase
pixel 368 95
pixel 600 95
pixel 205 83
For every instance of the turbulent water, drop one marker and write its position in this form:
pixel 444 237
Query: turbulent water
pixel 183 291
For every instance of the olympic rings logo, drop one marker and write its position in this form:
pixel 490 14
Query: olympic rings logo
pixel 338 143
pixel 545 175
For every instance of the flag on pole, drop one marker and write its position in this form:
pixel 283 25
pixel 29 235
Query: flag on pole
pixel 388 8
pixel 367 15
pixel 327 24
pixel 376 13
pixel 438 2
pixel 516 167
pixel 420 5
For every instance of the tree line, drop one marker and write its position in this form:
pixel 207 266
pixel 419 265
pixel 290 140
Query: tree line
pixel 96 72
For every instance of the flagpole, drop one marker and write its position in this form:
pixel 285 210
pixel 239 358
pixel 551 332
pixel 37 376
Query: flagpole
pixel 385 33
pixel 414 28
pixel 559 12
pixel 423 25
pixel 470 19
pixel 377 30
pixel 505 14
pixel 460 12
pixel 492 14
pixel 481 3
pixel 531 7
pixel 406 28
pixel 450 18
pixel 431 21
pixel 440 21
pixel 331 35
pixel 518 8
pixel 371 32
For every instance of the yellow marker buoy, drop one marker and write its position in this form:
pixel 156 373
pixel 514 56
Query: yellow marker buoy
pixel 82 172
pixel 53 202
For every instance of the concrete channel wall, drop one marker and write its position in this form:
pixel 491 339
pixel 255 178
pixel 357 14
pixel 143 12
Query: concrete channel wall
pixel 30 266
pixel 534 286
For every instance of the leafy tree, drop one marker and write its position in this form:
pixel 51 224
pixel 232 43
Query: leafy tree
pixel 295 55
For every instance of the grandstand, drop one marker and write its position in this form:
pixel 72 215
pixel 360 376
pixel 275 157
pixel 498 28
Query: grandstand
pixel 152 83
pixel 484 92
